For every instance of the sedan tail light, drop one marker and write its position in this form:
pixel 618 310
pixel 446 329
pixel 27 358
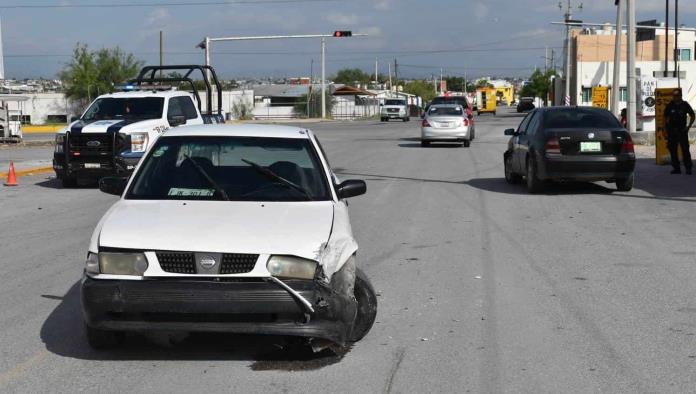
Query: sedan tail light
pixel 553 146
pixel 466 122
pixel 627 145
pixel 425 123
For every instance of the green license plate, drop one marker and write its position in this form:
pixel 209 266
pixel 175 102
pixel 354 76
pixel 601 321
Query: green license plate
pixel 590 147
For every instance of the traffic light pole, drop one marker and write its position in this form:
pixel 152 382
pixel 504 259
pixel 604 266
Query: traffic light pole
pixel 205 45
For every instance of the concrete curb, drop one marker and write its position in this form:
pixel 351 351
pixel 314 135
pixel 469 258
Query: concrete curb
pixel 29 171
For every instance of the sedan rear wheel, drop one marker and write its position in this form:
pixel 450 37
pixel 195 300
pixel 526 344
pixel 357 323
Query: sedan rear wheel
pixel 534 185
pixel 466 143
pixel 625 184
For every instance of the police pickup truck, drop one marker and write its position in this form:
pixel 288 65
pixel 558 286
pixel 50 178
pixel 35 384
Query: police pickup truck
pixel 114 132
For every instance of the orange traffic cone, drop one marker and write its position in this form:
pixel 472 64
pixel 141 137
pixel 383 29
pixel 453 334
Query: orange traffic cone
pixel 11 178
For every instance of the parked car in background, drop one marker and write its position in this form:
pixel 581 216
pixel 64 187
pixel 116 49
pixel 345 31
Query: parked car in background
pixel 447 123
pixel 526 104
pixel 569 144
pixel 395 109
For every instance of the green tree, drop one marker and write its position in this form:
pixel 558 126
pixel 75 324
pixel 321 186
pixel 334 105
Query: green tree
pixel 539 85
pixel 352 76
pixel 91 73
pixel 423 89
pixel 309 106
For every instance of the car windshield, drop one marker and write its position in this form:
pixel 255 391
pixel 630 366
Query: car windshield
pixel 115 108
pixel 572 118
pixel 230 168
pixel 394 102
pixel 446 111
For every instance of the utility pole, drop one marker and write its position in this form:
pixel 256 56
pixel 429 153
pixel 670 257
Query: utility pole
pixel 664 74
pixel 616 82
pixel 396 74
pixel 441 81
pixel 323 78
pixel 676 42
pixel 376 72
pixel 631 64
pixel 161 53
pixel 390 80
pixel 546 60
pixel 568 15
pixel 309 91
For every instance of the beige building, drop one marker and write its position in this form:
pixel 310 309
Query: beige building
pixel 592 62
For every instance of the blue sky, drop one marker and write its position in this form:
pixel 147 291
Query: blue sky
pixel 479 37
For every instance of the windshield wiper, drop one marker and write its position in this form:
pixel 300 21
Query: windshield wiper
pixel 283 181
pixel 208 178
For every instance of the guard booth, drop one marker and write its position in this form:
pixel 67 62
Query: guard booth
pixel 11 119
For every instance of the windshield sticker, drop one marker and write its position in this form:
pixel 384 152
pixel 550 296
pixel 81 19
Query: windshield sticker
pixel 183 192
pixel 159 152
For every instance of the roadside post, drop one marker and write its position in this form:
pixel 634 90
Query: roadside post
pixel 600 97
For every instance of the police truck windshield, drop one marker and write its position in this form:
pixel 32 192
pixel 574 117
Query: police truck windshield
pixel 114 108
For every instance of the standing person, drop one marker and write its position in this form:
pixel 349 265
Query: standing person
pixel 678 130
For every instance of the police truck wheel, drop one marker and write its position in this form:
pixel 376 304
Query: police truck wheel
pixel 68 181
pixel 103 339
pixel 367 306
pixel 625 184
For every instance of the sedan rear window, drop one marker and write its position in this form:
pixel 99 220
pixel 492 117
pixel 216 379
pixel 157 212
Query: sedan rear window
pixel 460 100
pixel 571 118
pixel 446 111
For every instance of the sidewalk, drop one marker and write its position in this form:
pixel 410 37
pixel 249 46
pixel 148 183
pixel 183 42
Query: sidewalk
pixel 26 159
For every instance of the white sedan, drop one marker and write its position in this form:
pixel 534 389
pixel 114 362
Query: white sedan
pixel 447 123
pixel 240 229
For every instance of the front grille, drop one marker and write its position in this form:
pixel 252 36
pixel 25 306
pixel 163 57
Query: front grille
pixel 91 142
pixel 392 110
pixel 238 263
pixel 177 262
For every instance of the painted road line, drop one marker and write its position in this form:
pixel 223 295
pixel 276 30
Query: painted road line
pixel 29 171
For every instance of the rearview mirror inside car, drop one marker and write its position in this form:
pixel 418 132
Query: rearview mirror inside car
pixel 113 185
pixel 351 188
pixel 509 131
pixel 176 120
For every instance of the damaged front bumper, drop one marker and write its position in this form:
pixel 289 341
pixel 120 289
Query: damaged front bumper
pixel 269 306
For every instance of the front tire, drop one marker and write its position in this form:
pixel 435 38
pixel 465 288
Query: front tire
pixel 68 182
pixel 466 143
pixel 367 306
pixel 625 184
pixel 534 184
pixel 510 176
pixel 103 339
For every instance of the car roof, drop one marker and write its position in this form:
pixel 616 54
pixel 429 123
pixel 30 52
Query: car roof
pixel 448 105
pixel 239 130
pixel 148 93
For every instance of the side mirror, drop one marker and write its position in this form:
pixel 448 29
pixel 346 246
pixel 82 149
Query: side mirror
pixel 176 120
pixel 113 185
pixel 74 118
pixel 509 131
pixel 351 188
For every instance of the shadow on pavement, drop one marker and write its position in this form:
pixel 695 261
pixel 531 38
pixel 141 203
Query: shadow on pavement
pixel 63 334
pixel 432 145
pixel 55 183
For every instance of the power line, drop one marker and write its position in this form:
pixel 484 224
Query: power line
pixel 160 4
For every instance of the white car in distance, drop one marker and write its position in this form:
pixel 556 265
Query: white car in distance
pixel 221 228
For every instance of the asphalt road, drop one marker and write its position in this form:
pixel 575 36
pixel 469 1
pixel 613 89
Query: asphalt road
pixel 483 288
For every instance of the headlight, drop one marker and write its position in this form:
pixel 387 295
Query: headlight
pixel 92 263
pixel 138 142
pixel 291 267
pixel 60 141
pixel 122 263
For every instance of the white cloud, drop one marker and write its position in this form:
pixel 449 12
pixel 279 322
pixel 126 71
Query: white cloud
pixel 382 4
pixel 480 10
pixel 159 17
pixel 339 19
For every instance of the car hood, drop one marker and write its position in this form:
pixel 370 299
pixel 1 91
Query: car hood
pixel 292 228
pixel 114 125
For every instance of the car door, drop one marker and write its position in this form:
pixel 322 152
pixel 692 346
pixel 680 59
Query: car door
pixel 519 152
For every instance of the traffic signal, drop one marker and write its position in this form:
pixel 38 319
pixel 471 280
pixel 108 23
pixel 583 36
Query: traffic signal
pixel 343 33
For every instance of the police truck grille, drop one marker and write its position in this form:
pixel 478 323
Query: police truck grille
pixel 238 263
pixel 177 262
pixel 91 142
